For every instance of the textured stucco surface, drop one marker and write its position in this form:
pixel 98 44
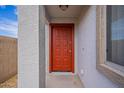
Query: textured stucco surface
pixel 28 46
pixel 8 57
pixel 88 73
pixel 31 47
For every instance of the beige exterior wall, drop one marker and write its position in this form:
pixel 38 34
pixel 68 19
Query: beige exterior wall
pixel 8 57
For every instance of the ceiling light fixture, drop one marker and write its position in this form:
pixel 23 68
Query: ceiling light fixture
pixel 63 7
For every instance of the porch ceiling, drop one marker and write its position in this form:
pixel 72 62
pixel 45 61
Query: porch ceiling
pixel 73 11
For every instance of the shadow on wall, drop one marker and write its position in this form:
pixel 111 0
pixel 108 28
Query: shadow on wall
pixel 84 10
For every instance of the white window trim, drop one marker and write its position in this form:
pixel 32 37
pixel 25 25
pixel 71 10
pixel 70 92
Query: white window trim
pixel 113 74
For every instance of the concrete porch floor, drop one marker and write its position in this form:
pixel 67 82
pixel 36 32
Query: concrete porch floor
pixel 63 81
pixel 52 81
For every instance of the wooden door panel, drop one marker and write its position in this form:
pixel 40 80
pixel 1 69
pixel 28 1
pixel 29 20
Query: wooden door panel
pixel 62 44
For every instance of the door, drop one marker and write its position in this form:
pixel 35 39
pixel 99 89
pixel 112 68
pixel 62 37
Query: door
pixel 62 48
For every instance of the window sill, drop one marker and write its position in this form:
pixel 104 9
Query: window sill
pixel 113 74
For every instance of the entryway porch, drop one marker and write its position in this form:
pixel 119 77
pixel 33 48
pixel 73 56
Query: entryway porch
pixel 61 21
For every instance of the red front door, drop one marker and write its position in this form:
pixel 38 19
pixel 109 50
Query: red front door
pixel 62 48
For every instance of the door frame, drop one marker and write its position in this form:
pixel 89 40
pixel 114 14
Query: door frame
pixel 50 44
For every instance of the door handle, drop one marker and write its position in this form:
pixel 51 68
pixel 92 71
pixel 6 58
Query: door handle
pixel 70 51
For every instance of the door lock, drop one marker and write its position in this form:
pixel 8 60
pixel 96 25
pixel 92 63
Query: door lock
pixel 70 51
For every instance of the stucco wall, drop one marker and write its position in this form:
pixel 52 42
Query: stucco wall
pixel 28 46
pixel 31 46
pixel 87 71
pixel 8 57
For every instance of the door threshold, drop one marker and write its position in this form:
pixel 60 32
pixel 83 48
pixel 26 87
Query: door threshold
pixel 62 73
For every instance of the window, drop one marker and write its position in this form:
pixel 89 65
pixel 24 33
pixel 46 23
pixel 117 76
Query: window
pixel 110 42
pixel 115 34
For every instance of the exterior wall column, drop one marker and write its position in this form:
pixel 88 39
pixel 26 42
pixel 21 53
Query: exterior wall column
pixel 31 58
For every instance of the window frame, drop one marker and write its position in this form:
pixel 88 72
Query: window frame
pixel 113 74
